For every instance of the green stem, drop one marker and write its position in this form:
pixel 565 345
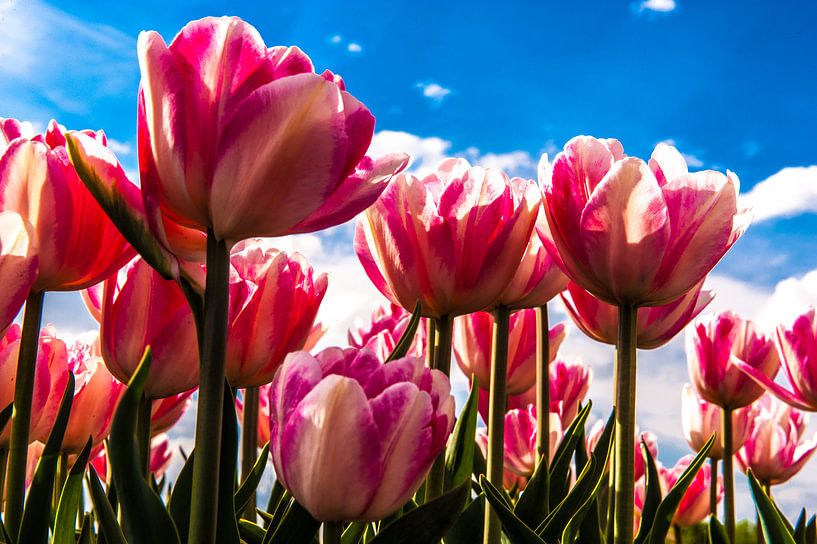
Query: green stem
pixel 676 531
pixel 332 532
pixel 625 424
pixel 435 483
pixel 204 504
pixel 611 480
pixel 496 418
pixel 59 480
pixel 143 434
pixel 728 474
pixel 431 341
pixel 543 394
pixel 249 441
pixel 4 459
pixel 713 486
pixel 21 415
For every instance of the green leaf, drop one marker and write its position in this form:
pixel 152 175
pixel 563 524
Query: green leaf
pixel 800 527
pixel 515 528
pixel 86 530
pixel 666 510
pixel 108 525
pixel 811 531
pixel 653 495
pixel 250 532
pixel 179 503
pixel 144 518
pixel 37 513
pixel 403 345
pixel 354 532
pixel 5 416
pixel 470 524
pixel 560 466
pixel 275 497
pixel 227 526
pixel 459 455
pixel 774 529
pixel 530 507
pixel 66 520
pixel 297 525
pixel 250 483
pixel 717 532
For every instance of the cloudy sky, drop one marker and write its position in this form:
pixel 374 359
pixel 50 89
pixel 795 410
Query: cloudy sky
pixel 732 84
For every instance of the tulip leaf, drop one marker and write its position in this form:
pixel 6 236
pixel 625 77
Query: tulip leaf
pixel 811 531
pixel 774 528
pixel 666 510
pixel 469 525
pixel 428 522
pixel 6 538
pixel 144 518
pixel 717 532
pixel 297 525
pixel 179 503
pixel 5 416
pixel 653 494
pixel 108 525
pixel 37 513
pixel 227 524
pixel 589 531
pixel 459 456
pixel 67 508
pixel 250 483
pixel 799 531
pixel 276 497
pixel 530 507
pixel 250 532
pixel 560 466
pixel 354 532
pixel 403 345
pixel 86 530
pixel 515 528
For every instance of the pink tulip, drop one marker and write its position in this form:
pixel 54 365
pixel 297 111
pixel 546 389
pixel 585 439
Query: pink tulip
pixel 263 413
pixel 161 454
pixel 634 233
pixel 714 346
pixel 777 447
pixel 520 440
pixel 797 346
pixel 166 412
pixel 353 438
pixel 538 278
pixel 315 335
pixel 656 325
pixel 700 419
pixel 140 308
pixel 78 245
pixel 452 240
pixel 473 340
pixel 279 148
pixel 694 506
pixel 594 436
pixel 18 265
pixel 274 299
pixel 384 330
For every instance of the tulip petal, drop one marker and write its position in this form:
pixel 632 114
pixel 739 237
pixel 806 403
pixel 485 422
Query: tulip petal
pixel 667 164
pixel 773 387
pixel 18 265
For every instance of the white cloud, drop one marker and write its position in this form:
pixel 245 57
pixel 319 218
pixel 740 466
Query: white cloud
pixel 691 160
pixel 119 148
pixel 663 6
pixel 336 38
pixel 434 91
pixel 354 48
pixel 790 192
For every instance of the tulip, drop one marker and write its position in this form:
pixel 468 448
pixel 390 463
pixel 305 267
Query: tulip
pixel 166 412
pixel 655 325
pixel 317 332
pixel 141 309
pixel 160 457
pixel 18 265
pixel 473 346
pixel 452 240
pixel 377 429
pixel 387 324
pixel 274 299
pixel 797 346
pixel 700 419
pixel 263 413
pixel 777 447
pixel 694 505
pixel 639 467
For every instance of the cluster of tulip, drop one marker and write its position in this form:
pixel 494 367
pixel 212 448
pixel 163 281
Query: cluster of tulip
pixel 239 144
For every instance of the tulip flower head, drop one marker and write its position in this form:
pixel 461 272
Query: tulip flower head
pixel 387 324
pixel 700 419
pixel 452 240
pixel 596 431
pixel 636 233
pixel 18 264
pixel 263 413
pixel 352 438
pixel 166 412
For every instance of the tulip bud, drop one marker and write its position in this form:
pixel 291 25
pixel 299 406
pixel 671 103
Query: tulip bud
pixel 700 419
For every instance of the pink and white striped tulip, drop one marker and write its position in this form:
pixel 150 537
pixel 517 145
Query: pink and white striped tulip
pixel 166 412
pixel 280 148
pixel 318 331
pixel 632 232
pixel 452 240
pixel 473 335
pixel 594 436
pixel 700 419
pixel 18 265
pixel 694 505
pixel 141 309
pixel 274 298
pixel 381 333
pixel 797 346
pixel 77 243
pixel 655 325
pixel 777 447
pixel 353 438
pixel 715 344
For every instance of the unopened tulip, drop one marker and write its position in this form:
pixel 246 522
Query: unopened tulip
pixel 694 505
pixel 700 419
pixel 274 299
pixel 18 265
pixel 251 142
pixel 166 412
pixel 77 243
pixel 452 240
pixel 714 344
pixel 141 309
pixel 353 438
pixel 597 429
pixel 656 325
pixel 386 326
pixel 777 447
pixel 797 346
pixel 637 233
pixel 473 341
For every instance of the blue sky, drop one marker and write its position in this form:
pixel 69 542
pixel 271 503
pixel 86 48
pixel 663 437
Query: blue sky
pixel 733 84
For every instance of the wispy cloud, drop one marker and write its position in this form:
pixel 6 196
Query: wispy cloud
pixel 354 48
pixel 661 6
pixel 120 148
pixel 790 192
pixel 692 160
pixel 351 47
pixel 434 91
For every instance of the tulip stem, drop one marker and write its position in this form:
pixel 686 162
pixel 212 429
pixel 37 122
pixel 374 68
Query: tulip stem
pixel 676 531
pixel 204 504
pixel 713 487
pixel 4 459
pixel 249 442
pixel 435 483
pixel 21 414
pixel 143 434
pixel 431 346
pixel 625 424
pixel 332 532
pixel 728 474
pixel 496 418
pixel 543 395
